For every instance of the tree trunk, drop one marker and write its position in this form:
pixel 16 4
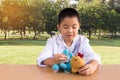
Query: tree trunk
pixel 21 34
pixel 34 35
pixel 99 33
pixel 8 33
pixel 115 34
pixel 5 35
pixel 95 32
pixel 24 31
pixel 112 35
pixel 90 34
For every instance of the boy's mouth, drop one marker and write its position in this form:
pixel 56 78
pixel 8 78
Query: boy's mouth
pixel 69 35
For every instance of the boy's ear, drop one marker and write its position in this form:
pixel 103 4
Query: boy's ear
pixel 79 25
pixel 58 27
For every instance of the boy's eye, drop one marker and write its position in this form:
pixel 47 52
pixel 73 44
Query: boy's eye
pixel 74 26
pixel 65 26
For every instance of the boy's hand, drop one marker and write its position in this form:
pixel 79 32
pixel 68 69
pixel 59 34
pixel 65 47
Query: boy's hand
pixel 58 58
pixel 89 68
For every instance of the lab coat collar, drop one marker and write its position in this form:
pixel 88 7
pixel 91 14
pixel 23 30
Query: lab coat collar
pixel 60 41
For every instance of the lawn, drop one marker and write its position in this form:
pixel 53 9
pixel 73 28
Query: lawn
pixel 108 49
pixel 26 51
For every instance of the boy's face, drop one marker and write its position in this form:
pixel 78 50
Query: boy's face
pixel 69 28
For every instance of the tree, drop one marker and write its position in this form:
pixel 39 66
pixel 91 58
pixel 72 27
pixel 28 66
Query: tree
pixel 0 16
pixel 90 15
pixel 113 22
pixel 114 4
pixel 21 15
pixel 13 15
pixel 50 12
pixel 4 19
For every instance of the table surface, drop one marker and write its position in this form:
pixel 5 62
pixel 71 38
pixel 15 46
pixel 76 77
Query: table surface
pixel 33 72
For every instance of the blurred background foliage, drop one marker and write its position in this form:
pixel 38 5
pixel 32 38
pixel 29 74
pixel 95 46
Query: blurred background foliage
pixel 99 18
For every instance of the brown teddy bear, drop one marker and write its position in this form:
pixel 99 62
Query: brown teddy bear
pixel 76 63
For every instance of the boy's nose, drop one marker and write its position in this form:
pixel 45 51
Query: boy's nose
pixel 70 30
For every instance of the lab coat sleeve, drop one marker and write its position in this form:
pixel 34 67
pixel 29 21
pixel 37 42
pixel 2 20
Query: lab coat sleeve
pixel 89 54
pixel 46 53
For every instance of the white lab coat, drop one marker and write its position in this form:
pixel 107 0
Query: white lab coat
pixel 57 45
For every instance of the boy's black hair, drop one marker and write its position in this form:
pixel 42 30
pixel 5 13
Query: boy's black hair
pixel 68 12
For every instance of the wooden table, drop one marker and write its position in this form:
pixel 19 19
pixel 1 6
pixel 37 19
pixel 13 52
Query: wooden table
pixel 33 72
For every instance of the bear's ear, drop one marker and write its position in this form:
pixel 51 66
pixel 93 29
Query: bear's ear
pixel 80 55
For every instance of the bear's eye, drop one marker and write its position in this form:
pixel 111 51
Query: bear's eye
pixel 75 59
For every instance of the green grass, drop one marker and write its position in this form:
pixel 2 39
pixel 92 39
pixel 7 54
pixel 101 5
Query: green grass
pixel 108 49
pixel 106 42
pixel 19 54
pixel 26 51
pixel 22 42
pixel 109 54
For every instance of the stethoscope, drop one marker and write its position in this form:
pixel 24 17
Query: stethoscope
pixel 77 45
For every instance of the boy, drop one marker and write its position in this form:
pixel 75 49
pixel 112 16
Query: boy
pixel 68 25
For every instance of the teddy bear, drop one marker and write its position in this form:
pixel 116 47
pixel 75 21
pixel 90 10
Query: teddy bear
pixel 65 66
pixel 76 63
